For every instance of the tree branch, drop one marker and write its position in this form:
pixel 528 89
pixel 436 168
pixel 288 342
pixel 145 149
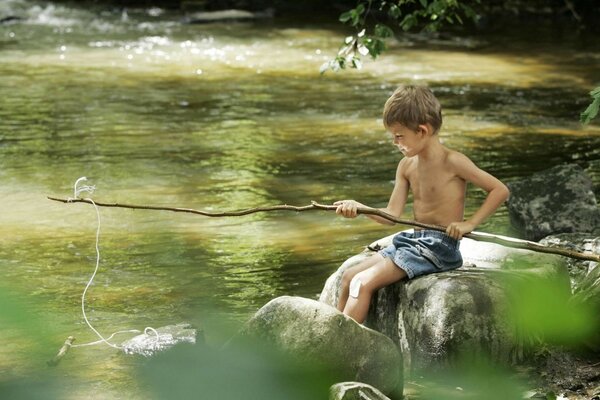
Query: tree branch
pixel 479 236
pixel 61 352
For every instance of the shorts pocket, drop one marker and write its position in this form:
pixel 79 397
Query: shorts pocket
pixel 442 256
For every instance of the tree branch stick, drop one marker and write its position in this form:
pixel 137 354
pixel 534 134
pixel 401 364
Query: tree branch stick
pixel 61 352
pixel 479 236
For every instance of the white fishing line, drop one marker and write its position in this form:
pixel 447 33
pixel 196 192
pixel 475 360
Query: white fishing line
pixel 77 190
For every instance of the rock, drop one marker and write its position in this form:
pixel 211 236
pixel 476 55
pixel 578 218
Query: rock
pixel 579 270
pixel 316 333
pixel 163 338
pixel 436 317
pixel 11 19
pixel 355 391
pixel 228 16
pixel 558 200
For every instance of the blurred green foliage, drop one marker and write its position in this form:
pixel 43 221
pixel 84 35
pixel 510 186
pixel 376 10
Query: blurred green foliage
pixel 18 319
pixel 249 371
pixel 472 377
pixel 544 311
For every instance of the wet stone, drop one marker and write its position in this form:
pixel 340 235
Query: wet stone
pixel 558 200
pixel 355 391
pixel 160 339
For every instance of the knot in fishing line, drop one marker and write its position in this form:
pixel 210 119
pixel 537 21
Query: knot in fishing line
pixel 77 190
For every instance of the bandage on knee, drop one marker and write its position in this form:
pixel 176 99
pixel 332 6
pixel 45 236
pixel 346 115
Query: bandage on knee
pixel 355 285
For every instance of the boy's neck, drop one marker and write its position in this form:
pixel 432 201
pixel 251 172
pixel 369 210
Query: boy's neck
pixel 432 151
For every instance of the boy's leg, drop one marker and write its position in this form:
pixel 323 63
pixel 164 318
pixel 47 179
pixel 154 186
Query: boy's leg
pixel 365 283
pixel 348 274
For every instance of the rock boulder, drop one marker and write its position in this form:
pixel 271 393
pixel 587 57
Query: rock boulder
pixel 558 200
pixel 437 317
pixel 319 334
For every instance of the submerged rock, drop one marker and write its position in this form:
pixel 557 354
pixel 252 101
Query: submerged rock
pixel 558 200
pixel 11 19
pixel 208 17
pixel 159 339
pixel 435 318
pixel 355 391
pixel 316 333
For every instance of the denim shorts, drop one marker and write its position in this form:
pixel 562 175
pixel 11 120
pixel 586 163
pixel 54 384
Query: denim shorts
pixel 424 252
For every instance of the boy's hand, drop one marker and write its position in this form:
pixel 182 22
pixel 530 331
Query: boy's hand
pixel 347 208
pixel 456 230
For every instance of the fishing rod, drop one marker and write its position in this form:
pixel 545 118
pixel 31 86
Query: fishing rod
pixel 314 206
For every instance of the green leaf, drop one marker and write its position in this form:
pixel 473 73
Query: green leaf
pixel 590 112
pixel 423 3
pixel 345 17
pixel 394 11
pixel 550 396
pixel 383 31
pixel 408 22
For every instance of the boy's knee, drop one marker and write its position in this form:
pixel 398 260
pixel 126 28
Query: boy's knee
pixel 361 283
pixel 347 277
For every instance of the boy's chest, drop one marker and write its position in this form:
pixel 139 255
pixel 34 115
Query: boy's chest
pixel 433 182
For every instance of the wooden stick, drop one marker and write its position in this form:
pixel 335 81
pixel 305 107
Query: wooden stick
pixel 479 236
pixel 61 352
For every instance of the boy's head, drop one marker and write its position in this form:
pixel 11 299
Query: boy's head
pixel 412 106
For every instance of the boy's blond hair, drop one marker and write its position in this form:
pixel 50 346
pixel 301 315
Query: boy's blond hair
pixel 412 106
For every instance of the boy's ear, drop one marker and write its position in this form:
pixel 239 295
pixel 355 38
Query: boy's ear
pixel 424 129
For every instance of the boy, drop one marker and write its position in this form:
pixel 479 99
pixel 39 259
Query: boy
pixel 437 177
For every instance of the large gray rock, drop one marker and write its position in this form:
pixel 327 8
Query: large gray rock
pixel 558 200
pixel 437 317
pixel 355 391
pixel 319 334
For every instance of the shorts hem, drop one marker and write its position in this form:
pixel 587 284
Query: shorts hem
pixel 404 267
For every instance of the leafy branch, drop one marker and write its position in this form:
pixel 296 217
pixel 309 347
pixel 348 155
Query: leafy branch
pixel 426 15
pixel 592 110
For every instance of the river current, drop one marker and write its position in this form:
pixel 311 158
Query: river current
pixel 222 117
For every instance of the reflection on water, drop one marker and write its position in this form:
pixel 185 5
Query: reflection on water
pixel 222 117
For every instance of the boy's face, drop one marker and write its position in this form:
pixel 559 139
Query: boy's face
pixel 409 142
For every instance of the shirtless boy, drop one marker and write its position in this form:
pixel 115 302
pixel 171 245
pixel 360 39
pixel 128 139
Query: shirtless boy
pixel 438 178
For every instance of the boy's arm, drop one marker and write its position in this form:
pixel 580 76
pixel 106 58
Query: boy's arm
pixel 497 194
pixel 395 206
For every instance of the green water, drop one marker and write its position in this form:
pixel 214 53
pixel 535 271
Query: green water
pixel 223 117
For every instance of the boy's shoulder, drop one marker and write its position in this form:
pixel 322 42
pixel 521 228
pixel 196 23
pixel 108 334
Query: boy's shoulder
pixel 454 156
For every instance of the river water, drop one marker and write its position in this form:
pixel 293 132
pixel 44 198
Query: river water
pixel 223 117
